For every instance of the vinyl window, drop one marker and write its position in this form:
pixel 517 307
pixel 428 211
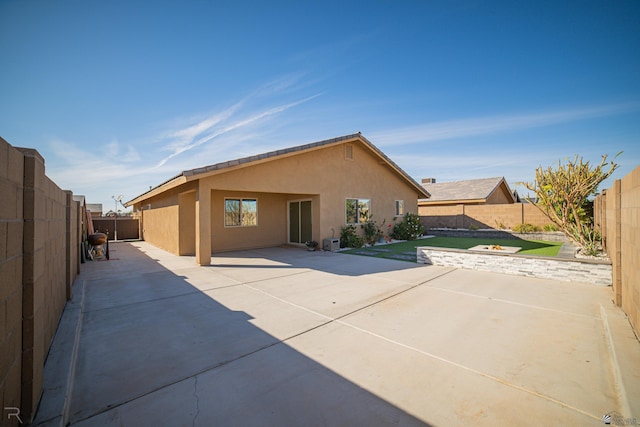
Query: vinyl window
pixel 358 210
pixel 240 212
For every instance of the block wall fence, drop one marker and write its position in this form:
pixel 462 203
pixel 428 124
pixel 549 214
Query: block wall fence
pixel 40 233
pixel 482 216
pixel 617 217
pixel 127 228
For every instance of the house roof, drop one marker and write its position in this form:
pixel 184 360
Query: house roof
pixel 472 189
pixel 192 174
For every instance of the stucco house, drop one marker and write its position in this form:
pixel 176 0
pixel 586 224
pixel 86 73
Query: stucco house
pixel 288 196
pixel 484 191
pixel 483 203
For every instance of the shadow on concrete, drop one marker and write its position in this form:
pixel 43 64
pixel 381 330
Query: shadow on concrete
pixel 292 258
pixel 155 350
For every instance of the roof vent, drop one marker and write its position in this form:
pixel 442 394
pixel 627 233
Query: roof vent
pixel 428 180
pixel 348 151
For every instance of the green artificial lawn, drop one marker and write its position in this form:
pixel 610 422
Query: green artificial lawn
pixel 403 250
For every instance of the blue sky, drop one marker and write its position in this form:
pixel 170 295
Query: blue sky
pixel 122 95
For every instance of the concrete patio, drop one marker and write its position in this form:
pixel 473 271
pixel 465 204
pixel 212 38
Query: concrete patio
pixel 282 336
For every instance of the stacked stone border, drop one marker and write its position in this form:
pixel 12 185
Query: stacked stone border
pixel 551 236
pixel 585 271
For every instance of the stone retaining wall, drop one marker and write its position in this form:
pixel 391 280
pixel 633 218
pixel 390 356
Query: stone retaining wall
pixel 551 236
pixel 586 271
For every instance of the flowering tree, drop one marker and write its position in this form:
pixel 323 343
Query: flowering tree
pixel 563 192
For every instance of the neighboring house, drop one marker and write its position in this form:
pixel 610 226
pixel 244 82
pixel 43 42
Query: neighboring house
pixel 483 203
pixel 288 196
pixel 486 191
pixel 95 209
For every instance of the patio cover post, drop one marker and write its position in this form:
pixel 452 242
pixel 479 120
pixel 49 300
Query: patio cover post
pixel 203 224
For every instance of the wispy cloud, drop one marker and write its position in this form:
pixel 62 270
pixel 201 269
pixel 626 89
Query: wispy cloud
pixel 477 126
pixel 206 130
pixel 183 137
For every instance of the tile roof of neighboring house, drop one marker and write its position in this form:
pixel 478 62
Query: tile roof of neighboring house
pixel 472 189
pixel 191 174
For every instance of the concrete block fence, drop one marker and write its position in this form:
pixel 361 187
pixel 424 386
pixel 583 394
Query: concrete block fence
pixel 40 233
pixel 616 217
pixel 482 216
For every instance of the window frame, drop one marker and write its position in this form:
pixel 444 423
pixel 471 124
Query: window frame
pixel 401 211
pixel 241 212
pixel 358 214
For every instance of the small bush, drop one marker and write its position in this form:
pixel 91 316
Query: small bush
pixel 349 237
pixel 473 227
pixel 551 227
pixel 526 228
pixel 410 228
pixel 372 231
pixel 592 245
pixel 500 225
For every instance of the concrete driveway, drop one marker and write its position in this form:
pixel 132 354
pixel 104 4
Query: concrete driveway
pixel 286 337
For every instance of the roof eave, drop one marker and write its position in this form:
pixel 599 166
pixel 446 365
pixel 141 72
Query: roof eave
pixel 397 169
pixel 167 185
pixel 193 174
pixel 450 202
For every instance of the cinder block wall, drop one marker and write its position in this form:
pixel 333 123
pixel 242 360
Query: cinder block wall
pixel 128 228
pixel 11 259
pixel 616 214
pixel 482 216
pixel 630 246
pixel 38 262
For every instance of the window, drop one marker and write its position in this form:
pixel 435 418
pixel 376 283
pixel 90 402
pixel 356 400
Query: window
pixel 240 212
pixel 399 207
pixel 358 210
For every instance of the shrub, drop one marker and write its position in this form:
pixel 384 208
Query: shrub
pixel 500 225
pixel 473 227
pixel 551 227
pixel 410 228
pixel 562 194
pixel 349 237
pixel 526 228
pixel 592 241
pixel 372 231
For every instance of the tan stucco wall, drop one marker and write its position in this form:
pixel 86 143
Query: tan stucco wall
pixel 160 227
pixel 272 222
pixel 187 223
pixel 160 218
pixel 322 175
pixel 327 173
